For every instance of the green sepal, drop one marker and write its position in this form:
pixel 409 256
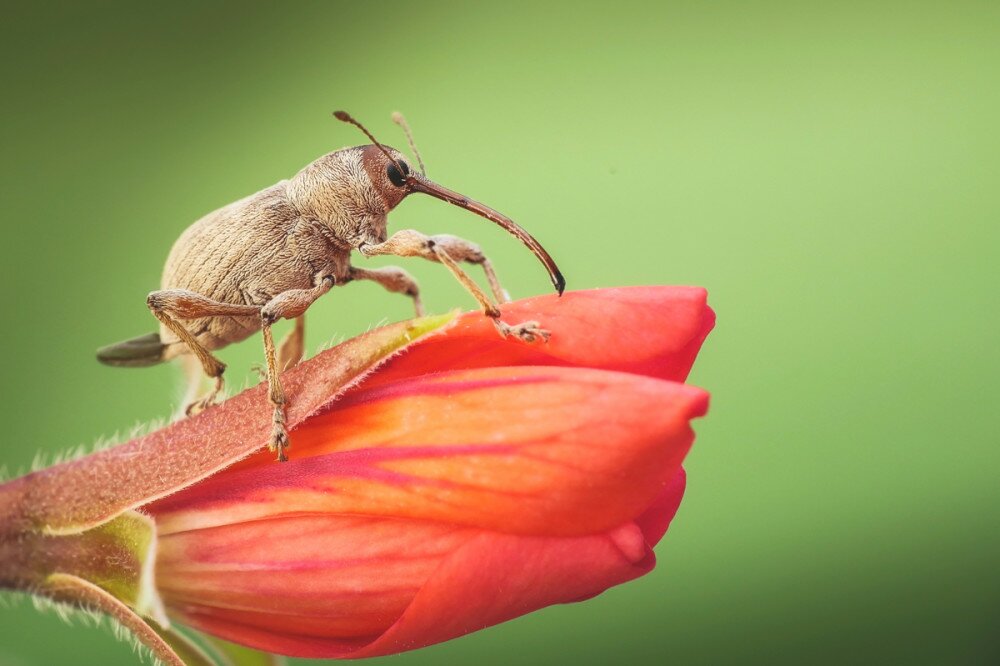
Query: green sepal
pixel 118 557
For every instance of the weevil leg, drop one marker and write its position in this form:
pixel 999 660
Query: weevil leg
pixel 499 292
pixel 410 243
pixel 448 250
pixel 529 331
pixel 292 347
pixel 171 305
pixel 193 373
pixel 279 434
pixel 286 305
pixel 392 279
pixel 461 250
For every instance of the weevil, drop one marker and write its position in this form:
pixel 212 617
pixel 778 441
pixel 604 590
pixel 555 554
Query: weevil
pixel 272 254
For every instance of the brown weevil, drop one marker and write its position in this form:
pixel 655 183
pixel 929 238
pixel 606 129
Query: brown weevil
pixel 271 255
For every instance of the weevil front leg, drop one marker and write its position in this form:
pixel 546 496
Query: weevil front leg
pixel 172 305
pixel 392 279
pixel 448 250
pixel 286 305
pixel 461 250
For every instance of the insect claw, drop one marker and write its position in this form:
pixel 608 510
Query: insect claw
pixel 529 331
pixel 279 435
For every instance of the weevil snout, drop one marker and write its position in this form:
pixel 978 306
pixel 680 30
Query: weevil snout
pixel 418 183
pixel 391 175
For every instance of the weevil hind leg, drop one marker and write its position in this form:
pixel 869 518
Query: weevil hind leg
pixel 194 380
pixel 197 405
pixel 196 398
pixel 170 306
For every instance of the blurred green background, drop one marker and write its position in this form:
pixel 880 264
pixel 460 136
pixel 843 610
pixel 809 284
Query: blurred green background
pixel 829 171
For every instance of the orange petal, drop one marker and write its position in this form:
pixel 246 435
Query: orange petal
pixel 542 451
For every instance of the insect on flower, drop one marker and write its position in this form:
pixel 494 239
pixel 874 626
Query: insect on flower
pixel 271 255
pixel 444 481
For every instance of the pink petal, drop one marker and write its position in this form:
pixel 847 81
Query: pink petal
pixel 490 579
pixel 313 575
pixel 657 517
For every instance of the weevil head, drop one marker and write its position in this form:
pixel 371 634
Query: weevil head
pixel 388 177
pixel 351 191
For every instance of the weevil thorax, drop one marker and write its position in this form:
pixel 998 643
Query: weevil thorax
pixel 351 190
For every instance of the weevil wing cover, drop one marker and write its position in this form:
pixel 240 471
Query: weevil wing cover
pixel 139 352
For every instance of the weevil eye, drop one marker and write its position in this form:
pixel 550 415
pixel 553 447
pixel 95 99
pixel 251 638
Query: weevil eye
pixel 395 177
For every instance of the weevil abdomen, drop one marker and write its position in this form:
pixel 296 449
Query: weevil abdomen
pixel 245 253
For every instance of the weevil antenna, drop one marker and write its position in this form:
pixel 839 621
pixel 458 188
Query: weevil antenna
pixel 398 118
pixel 347 118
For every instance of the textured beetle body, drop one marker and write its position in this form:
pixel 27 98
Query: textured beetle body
pixel 281 238
pixel 271 255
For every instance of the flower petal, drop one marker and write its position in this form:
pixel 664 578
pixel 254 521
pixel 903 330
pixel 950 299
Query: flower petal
pixel 657 517
pixel 544 451
pixel 342 577
pixel 486 580
pixel 653 331
pixel 500 577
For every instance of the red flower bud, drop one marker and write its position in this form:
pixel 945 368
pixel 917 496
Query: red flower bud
pixel 467 481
